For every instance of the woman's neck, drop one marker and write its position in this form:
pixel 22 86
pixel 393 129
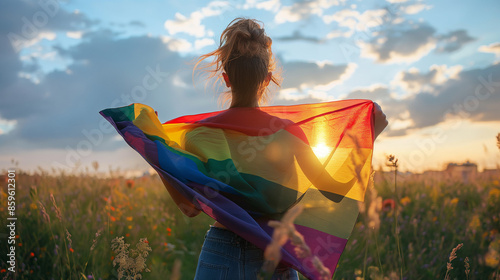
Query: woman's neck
pixel 251 104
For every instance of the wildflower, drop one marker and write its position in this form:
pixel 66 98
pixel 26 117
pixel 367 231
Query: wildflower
pixel 454 201
pixel 130 183
pixel 405 200
pixel 492 257
pixel 130 218
pixel 71 250
pixel 32 254
pixel 474 223
pixel 494 194
pixel 131 263
pixel 33 206
pixel 388 204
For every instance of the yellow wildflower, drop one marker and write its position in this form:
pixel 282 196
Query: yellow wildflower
pixel 405 200
pixel 475 223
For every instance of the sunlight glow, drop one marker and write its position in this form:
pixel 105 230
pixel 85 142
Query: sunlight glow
pixel 321 150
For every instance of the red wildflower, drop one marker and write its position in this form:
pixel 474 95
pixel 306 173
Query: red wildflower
pixel 32 254
pixel 388 204
pixel 130 183
pixel 71 250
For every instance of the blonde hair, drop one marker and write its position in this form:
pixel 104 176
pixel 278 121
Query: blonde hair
pixel 245 55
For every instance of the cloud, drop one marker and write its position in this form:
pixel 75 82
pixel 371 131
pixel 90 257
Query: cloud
pixel 472 94
pixel 405 43
pixel 357 21
pixel 312 79
pixel 301 10
pixel 491 48
pixel 301 75
pixel 398 44
pixel 137 23
pixel 106 71
pixel 298 36
pixel 415 8
pixel 412 81
pixel 268 5
pixel 192 25
pixel 441 94
pixel 25 23
pixel 453 41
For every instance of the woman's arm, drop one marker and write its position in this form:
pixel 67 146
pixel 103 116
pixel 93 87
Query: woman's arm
pixel 380 120
pixel 186 206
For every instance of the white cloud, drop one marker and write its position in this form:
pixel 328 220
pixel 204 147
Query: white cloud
pixel 74 34
pixel 412 81
pixel 182 45
pixel 302 10
pixel 357 21
pixel 415 8
pixel 7 125
pixel 268 5
pixel 177 45
pixel 491 48
pixel 201 43
pixel 192 25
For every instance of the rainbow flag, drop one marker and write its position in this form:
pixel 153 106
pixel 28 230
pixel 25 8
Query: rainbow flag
pixel 246 166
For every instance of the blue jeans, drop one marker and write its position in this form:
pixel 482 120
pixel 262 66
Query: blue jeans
pixel 225 255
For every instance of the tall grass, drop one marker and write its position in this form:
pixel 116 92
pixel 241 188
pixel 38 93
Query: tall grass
pixel 69 235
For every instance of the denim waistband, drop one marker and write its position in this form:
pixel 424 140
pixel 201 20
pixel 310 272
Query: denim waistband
pixel 228 236
pixel 223 235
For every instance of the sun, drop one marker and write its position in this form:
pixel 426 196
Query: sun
pixel 321 150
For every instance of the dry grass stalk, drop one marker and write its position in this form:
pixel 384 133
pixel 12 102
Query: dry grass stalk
pixel 453 255
pixel 283 231
pixel 176 270
pixel 56 209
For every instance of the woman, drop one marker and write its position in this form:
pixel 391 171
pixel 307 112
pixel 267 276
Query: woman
pixel 248 164
pixel 245 61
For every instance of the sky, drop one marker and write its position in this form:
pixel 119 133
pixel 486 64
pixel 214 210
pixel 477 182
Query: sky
pixel 433 66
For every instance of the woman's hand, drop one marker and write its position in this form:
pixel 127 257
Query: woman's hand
pixel 380 119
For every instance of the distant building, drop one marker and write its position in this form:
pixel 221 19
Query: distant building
pixel 491 174
pixel 465 172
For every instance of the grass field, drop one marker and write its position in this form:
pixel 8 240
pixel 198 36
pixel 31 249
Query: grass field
pixel 66 224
